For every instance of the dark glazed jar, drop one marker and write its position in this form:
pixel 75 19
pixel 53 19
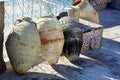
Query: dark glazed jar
pixel 73 38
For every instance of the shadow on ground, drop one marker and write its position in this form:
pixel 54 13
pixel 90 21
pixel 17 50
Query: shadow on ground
pixel 29 76
pixel 109 18
pixel 108 55
pixel 102 64
pixel 69 72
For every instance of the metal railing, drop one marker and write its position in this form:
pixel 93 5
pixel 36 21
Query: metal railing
pixel 15 9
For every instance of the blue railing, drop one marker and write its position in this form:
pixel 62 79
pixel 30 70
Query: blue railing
pixel 15 9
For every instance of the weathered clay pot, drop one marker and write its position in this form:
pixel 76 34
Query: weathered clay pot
pixel 73 38
pixel 23 45
pixel 82 9
pixel 2 63
pixel 52 39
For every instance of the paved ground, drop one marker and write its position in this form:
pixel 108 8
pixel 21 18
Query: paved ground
pixel 102 64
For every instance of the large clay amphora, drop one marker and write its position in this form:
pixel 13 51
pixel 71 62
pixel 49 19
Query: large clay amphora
pixel 52 38
pixel 82 9
pixel 23 45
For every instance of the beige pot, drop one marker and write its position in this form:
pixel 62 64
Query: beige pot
pixel 82 9
pixel 23 45
pixel 52 38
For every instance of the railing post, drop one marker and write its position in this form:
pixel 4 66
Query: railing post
pixel 2 63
